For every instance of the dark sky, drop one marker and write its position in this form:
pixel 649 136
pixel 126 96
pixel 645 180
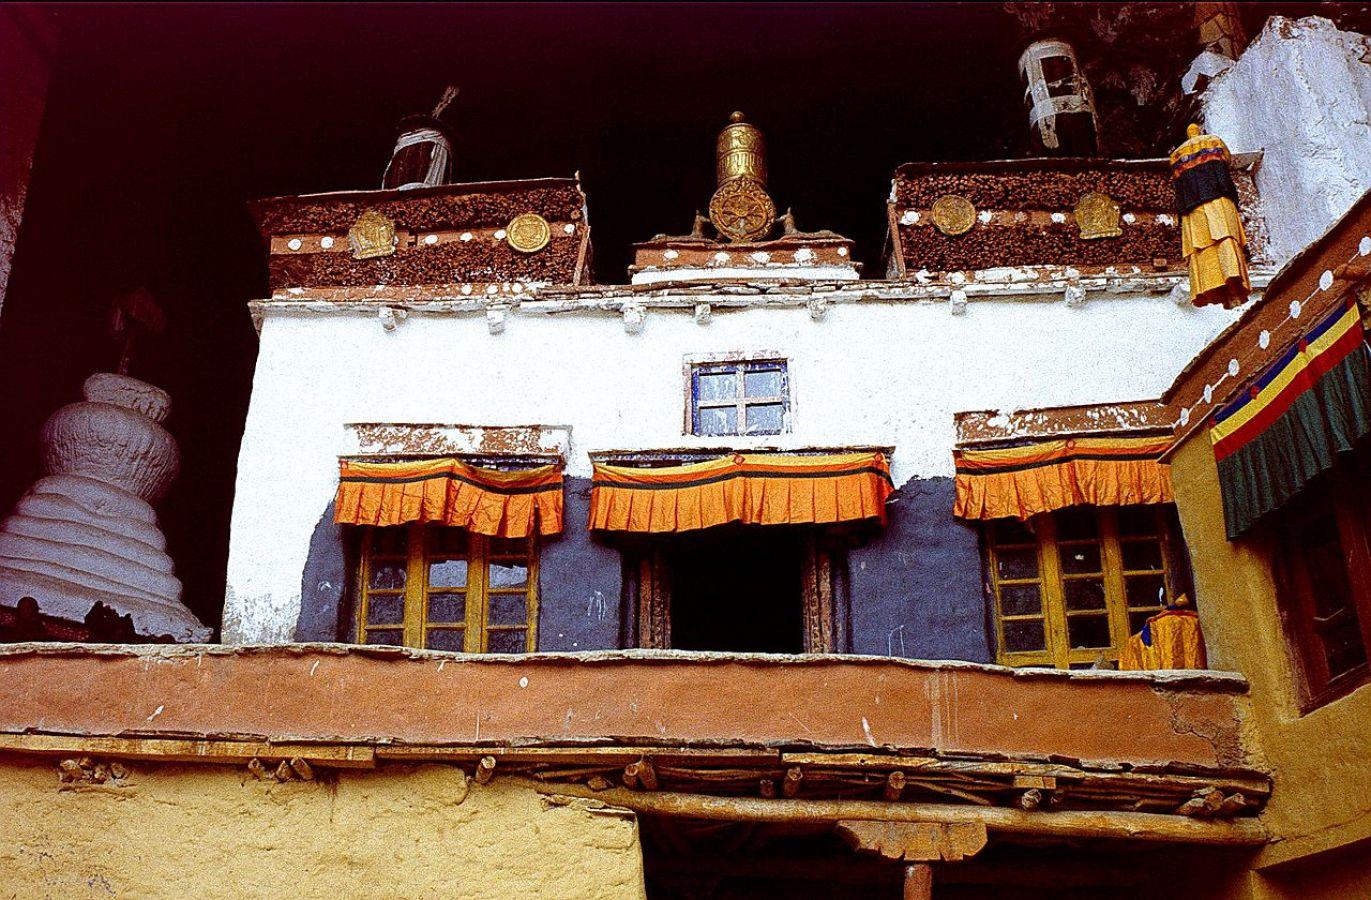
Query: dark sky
pixel 164 120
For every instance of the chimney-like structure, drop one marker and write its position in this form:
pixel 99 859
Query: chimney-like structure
pixel 1061 108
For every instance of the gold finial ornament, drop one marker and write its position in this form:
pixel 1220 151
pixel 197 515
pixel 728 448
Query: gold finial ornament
pixel 953 214
pixel 372 235
pixel 741 209
pixel 528 232
pixel 1098 216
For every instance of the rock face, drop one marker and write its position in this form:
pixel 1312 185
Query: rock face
pixel 87 531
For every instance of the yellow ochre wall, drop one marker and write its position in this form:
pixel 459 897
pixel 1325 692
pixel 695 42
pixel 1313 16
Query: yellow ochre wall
pixel 209 831
pixel 1320 763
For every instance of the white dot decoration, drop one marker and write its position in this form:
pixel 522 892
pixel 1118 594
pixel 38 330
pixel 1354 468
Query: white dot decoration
pixel 1295 309
pixel 1185 416
pixel 671 254
pixel 491 289
pixel 466 235
pixel 721 257
pixel 293 243
pixel 431 239
pixel 1325 280
pixel 804 254
pixel 1209 393
pixel 326 242
pixel 1364 246
pixel 569 228
pixel 466 289
pixel 842 251
pixel 518 287
pixel 909 217
pixel 1264 339
pixel 761 256
pixel 500 235
pixel 1233 368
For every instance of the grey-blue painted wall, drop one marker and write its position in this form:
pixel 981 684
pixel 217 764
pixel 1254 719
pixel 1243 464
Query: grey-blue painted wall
pixel 324 612
pixel 579 582
pixel 916 587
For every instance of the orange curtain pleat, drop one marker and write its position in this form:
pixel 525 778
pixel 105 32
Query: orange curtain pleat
pixel 1021 482
pixel 450 492
pixel 754 489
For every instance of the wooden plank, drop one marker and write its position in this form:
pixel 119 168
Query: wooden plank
pixel 350 756
pixel 915 841
pixel 1066 823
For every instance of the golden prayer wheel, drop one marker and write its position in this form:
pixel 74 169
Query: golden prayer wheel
pixel 741 151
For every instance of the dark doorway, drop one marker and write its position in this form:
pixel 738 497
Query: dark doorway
pixel 737 588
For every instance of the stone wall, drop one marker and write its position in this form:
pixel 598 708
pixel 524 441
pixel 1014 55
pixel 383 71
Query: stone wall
pixel 214 831
pixel 1301 94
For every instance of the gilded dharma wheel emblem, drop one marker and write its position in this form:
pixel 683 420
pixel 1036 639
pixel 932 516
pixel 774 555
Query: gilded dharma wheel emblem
pixel 953 214
pixel 372 235
pixel 741 210
pixel 528 232
pixel 1098 216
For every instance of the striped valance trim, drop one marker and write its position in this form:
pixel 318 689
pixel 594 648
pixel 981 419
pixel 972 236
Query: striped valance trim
pixel 1326 345
pixel 450 492
pixel 752 489
pixel 1043 476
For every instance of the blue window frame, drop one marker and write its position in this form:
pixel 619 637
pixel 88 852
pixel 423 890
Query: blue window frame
pixel 743 398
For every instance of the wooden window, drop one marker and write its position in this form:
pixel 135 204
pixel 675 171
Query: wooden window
pixel 1071 586
pixel 743 397
pixel 1323 567
pixel 447 589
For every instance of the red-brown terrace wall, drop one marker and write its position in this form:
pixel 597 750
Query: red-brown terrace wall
pixel 337 694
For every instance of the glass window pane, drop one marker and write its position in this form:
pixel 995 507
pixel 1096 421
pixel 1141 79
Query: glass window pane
pixel 1012 531
pixel 506 574
pixel 447 573
pixel 514 641
pixel 385 609
pixel 1084 593
pixel 1136 621
pixel 1020 600
pixel 718 420
pixel 764 383
pixel 1145 590
pixel 1020 636
pixel 387 576
pixel 508 609
pixel 1138 521
pixel 447 541
pixel 1343 646
pixel 1078 523
pixel 765 418
pixel 393 636
pixel 447 607
pixel 1081 559
pixel 389 541
pixel 1324 560
pixel 1088 631
pixel 1142 555
pixel 1017 563
pixel 716 386
pixel 445 639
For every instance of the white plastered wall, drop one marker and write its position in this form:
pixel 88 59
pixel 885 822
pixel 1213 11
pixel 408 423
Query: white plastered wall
pixel 866 374
pixel 1301 93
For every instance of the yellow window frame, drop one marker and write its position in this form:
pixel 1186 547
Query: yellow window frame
pixel 480 552
pixel 1051 581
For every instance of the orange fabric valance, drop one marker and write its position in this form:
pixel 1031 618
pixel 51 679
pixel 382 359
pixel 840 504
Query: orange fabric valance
pixel 450 492
pixel 1019 482
pixel 754 489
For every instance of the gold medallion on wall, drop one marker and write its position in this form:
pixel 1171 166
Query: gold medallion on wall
pixel 1098 216
pixel 528 232
pixel 372 235
pixel 741 210
pixel 953 214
